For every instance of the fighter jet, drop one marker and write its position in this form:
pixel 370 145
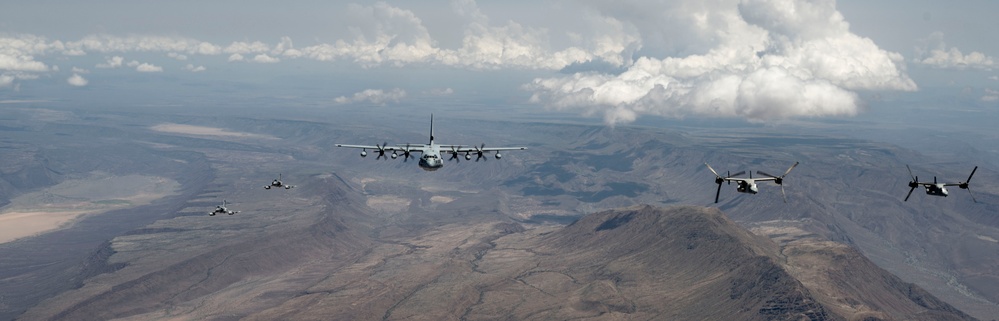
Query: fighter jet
pixel 431 154
pixel 278 184
pixel 938 189
pixel 221 209
pixel 748 184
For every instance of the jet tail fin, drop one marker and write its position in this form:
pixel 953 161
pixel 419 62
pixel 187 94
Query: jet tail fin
pixel 431 128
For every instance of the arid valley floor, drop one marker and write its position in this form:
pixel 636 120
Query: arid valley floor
pixel 105 217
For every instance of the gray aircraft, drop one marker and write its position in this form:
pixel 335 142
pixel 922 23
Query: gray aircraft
pixel 278 184
pixel 748 184
pixel 221 209
pixel 938 189
pixel 431 154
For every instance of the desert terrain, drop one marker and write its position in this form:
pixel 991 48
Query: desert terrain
pixel 520 238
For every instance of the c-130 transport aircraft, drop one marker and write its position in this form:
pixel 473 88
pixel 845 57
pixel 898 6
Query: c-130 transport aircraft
pixel 431 158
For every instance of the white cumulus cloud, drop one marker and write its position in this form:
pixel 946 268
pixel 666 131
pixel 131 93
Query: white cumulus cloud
pixel 373 96
pixel 77 80
pixel 17 53
pixel 143 43
pixel 769 60
pixel 264 58
pixel 935 53
pixel 384 34
pixel 246 47
pixel 112 62
pixel 192 68
pixel 236 57
pixel 145 67
pixel 442 91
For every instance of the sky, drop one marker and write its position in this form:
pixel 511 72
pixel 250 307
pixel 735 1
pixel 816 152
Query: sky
pixel 757 60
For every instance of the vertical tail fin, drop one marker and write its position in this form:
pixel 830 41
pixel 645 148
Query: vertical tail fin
pixel 431 128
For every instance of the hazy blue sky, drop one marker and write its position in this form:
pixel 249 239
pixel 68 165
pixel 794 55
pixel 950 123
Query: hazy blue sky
pixel 617 60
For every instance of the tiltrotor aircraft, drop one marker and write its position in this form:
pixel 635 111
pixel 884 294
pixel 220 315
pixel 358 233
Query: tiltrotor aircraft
pixel 938 189
pixel 221 209
pixel 278 184
pixel 431 154
pixel 748 184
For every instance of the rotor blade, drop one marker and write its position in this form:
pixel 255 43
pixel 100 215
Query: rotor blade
pixel 718 193
pixel 783 194
pixel 765 174
pixel 789 169
pixel 910 194
pixel 972 174
pixel 972 195
pixel 712 171
pixel 737 174
pixel 910 173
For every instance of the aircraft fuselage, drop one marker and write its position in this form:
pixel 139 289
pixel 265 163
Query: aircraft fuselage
pixel 431 159
pixel 747 186
pixel 936 189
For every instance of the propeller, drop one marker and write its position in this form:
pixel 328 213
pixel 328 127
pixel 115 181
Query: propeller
pixel 479 151
pixel 406 154
pixel 718 192
pixel 454 154
pixel 779 180
pixel 913 184
pixel 964 185
pixel 381 150
pixel 718 180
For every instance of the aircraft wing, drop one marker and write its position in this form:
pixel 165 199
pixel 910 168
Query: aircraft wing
pixel 389 148
pixel 460 149
pixel 401 147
